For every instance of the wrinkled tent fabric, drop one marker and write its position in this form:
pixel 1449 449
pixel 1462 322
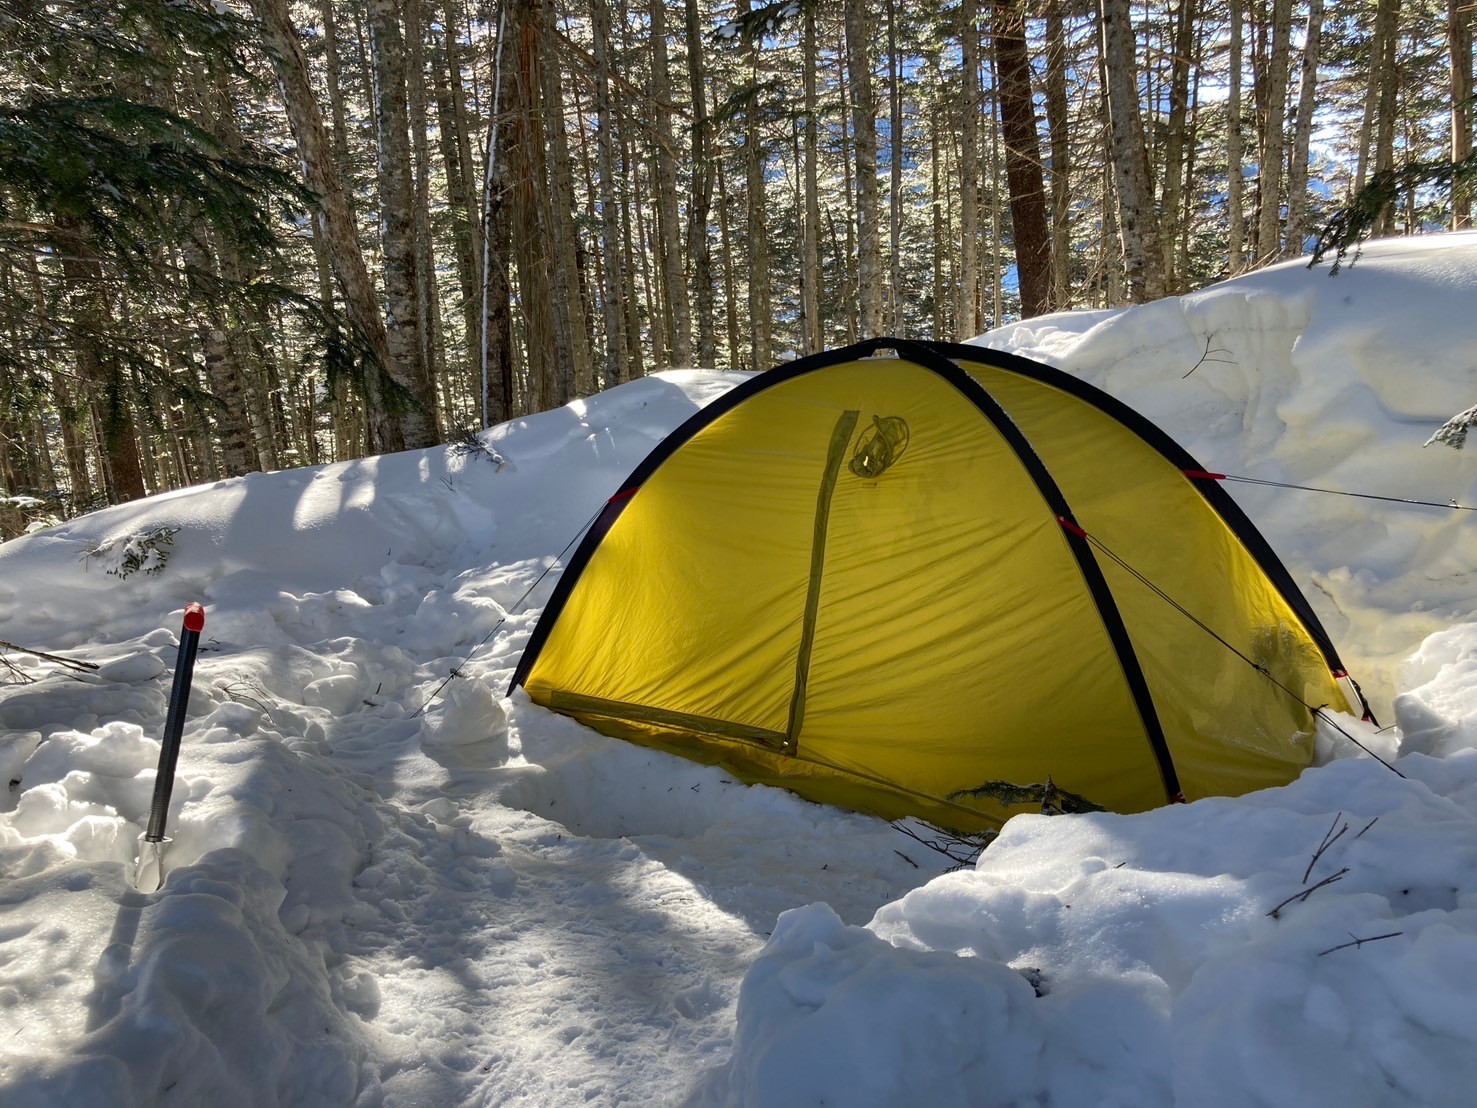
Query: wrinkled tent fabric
pixel 923 579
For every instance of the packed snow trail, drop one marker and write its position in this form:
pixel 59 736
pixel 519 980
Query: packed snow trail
pixel 387 905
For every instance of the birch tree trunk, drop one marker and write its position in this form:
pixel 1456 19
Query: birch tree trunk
pixel 1138 223
pixel 397 227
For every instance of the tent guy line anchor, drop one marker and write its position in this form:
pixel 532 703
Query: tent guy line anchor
pixel 1318 712
pixel 457 671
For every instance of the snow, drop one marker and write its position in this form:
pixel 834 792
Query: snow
pixel 380 890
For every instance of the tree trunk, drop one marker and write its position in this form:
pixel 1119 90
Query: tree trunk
pixel 812 335
pixel 573 356
pixel 756 226
pixel 1174 138
pixel 397 228
pixel 334 224
pixel 614 293
pixel 1022 158
pixel 896 126
pixel 1297 181
pixel 966 319
pixel 670 252
pixel 700 206
pixel 1385 78
pixel 1061 196
pixel 864 129
pixel 451 134
pixel 496 355
pixel 1459 43
pixel 1235 186
pixel 1273 135
pixel 1138 223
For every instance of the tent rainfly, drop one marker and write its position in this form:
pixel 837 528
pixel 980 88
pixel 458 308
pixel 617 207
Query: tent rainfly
pixel 926 579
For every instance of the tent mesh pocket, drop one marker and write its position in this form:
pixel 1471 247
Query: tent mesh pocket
pixel 880 446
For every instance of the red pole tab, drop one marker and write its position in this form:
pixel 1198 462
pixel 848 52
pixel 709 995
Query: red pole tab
pixel 1071 526
pixel 1203 474
pixel 1178 798
pixel 625 495
pixel 194 618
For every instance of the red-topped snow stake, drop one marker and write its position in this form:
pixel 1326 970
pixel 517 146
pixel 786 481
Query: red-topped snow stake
pixel 150 872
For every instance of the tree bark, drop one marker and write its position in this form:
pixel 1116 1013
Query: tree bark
pixel 700 206
pixel 673 279
pixel 1022 158
pixel 1138 223
pixel 1235 186
pixel 1273 135
pixel 864 130
pixel 403 312
pixel 1302 133
pixel 1459 44
pixel 614 293
pixel 812 334
pixel 1061 196
pixel 334 225
pixel 966 318
pixel 1174 138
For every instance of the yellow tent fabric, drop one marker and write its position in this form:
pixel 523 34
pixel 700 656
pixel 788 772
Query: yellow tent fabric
pixel 923 580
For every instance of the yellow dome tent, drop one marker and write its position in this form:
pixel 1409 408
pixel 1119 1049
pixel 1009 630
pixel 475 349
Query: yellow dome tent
pixel 922 579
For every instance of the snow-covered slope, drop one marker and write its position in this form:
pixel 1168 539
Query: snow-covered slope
pixel 380 896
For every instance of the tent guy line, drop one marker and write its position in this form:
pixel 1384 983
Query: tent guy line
pixel 1318 711
pixel 516 607
pixel 1450 505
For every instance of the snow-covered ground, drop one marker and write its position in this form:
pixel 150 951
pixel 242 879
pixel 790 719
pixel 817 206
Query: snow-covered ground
pixel 482 903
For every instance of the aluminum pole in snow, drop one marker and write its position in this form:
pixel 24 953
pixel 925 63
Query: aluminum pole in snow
pixel 150 872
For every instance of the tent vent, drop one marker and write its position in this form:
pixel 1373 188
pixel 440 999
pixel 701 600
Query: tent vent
pixel 880 446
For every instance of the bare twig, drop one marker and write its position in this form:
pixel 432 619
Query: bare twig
pixel 1329 838
pixel 17 674
pixel 70 663
pixel 1359 942
pixel 1206 357
pixel 962 850
pixel 1368 825
pixel 1309 891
